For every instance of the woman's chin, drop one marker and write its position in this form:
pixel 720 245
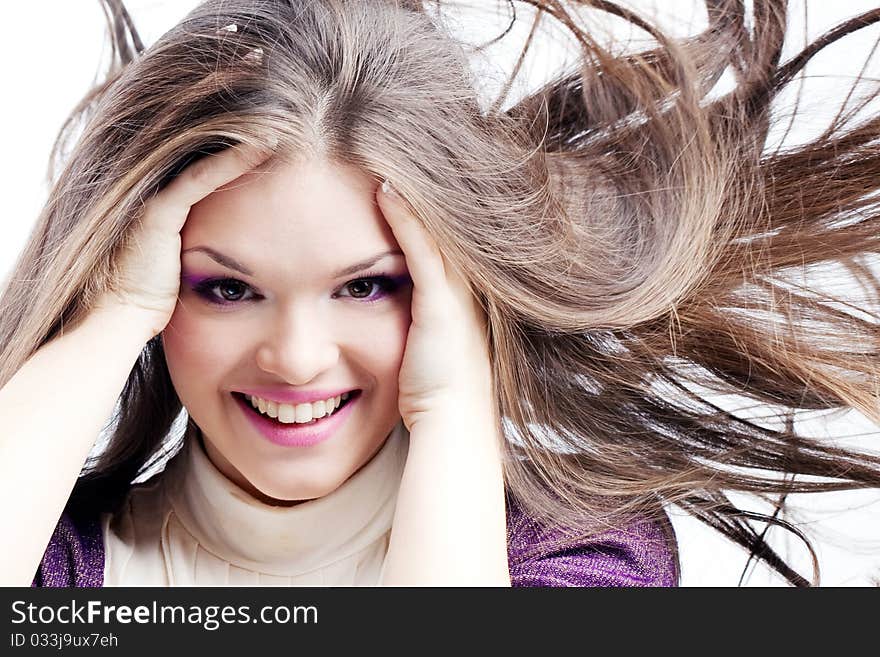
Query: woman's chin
pixel 283 496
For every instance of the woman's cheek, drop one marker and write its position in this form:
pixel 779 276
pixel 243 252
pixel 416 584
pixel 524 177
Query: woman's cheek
pixel 195 347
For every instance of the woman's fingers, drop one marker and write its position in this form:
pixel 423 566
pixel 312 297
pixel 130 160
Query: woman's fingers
pixel 203 177
pixel 437 287
pixel 447 356
pixel 423 259
pixel 149 263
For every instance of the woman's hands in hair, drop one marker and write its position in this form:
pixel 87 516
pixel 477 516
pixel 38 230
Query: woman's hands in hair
pixel 149 266
pixel 449 526
pixel 446 363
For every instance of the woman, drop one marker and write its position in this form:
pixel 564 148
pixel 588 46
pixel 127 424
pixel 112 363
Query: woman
pixel 579 264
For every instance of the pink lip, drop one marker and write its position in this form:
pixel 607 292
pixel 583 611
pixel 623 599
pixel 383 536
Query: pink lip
pixel 288 396
pixel 296 435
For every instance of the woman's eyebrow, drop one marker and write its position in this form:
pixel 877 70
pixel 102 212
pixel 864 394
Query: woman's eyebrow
pixel 369 262
pixel 224 260
pixel 231 263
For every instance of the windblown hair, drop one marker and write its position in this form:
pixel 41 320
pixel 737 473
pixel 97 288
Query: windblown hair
pixel 638 247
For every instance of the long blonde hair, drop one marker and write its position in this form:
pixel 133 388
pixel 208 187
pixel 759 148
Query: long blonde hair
pixel 629 236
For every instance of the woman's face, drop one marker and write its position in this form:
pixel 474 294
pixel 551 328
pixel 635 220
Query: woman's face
pixel 263 305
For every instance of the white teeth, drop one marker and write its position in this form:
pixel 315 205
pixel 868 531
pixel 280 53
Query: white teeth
pixel 286 414
pixel 300 413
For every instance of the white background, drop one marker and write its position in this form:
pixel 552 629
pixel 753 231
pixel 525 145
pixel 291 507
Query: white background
pixel 50 52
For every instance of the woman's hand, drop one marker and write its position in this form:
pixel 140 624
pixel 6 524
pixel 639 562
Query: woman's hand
pixel 447 358
pixel 149 265
pixel 449 524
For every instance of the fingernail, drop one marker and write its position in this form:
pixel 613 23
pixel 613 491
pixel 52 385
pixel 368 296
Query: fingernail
pixel 255 55
pixel 388 188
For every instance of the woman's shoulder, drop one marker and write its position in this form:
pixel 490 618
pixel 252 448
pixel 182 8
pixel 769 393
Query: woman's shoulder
pixel 75 554
pixel 640 552
pixel 77 550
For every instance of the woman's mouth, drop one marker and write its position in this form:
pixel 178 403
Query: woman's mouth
pixel 299 414
pixel 295 425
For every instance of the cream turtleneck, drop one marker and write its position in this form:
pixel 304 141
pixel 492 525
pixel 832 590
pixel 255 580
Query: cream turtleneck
pixel 191 526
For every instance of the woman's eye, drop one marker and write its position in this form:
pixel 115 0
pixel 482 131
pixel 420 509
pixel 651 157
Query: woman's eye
pixel 231 290
pixel 361 289
pixel 373 288
pixel 227 290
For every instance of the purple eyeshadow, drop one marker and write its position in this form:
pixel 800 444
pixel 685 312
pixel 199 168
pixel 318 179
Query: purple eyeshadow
pixel 386 285
pixel 192 280
pixel 203 285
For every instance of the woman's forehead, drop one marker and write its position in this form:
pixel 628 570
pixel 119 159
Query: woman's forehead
pixel 321 216
pixel 313 199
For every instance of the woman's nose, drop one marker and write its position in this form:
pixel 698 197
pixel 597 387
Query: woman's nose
pixel 297 347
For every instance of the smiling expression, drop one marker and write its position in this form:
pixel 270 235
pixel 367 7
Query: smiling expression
pixel 291 278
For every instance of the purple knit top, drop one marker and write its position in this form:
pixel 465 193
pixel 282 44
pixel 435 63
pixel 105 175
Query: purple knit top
pixel 643 553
